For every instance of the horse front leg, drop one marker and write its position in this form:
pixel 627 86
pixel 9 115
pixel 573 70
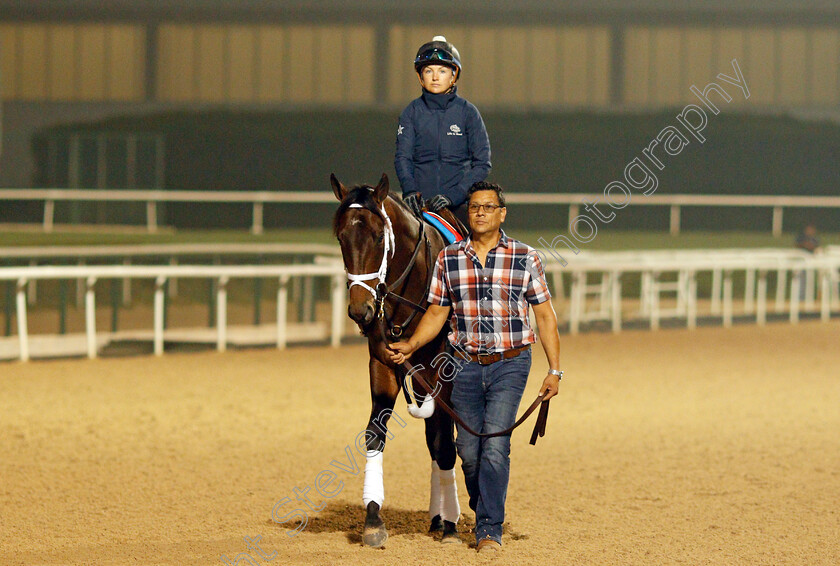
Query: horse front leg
pixel 434 482
pixel 444 508
pixel 383 394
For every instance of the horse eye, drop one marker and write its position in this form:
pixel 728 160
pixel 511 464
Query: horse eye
pixel 380 238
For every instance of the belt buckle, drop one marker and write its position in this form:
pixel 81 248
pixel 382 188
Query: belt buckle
pixel 483 363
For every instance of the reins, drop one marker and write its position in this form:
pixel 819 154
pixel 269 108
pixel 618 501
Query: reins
pixel 384 290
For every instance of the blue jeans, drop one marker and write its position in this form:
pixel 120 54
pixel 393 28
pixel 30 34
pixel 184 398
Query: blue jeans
pixel 487 399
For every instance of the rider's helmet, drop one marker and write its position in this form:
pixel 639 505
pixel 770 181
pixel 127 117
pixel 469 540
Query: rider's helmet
pixel 438 52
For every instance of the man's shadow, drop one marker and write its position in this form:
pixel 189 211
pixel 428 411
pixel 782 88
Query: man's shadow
pixel 350 519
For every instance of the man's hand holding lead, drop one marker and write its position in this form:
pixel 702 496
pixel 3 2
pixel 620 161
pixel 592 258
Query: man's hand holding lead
pixel 550 386
pixel 401 351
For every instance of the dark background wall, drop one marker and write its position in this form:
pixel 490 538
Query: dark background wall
pixel 532 152
pixel 64 62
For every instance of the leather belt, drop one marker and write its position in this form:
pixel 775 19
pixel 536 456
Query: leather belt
pixel 487 359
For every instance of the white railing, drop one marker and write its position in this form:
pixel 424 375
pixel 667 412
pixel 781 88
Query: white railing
pixel 167 250
pixel 173 253
pixel 685 265
pixel 683 268
pixel 259 199
pixel 160 273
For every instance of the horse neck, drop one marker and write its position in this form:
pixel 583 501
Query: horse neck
pixel 410 230
pixel 406 226
pixel 406 231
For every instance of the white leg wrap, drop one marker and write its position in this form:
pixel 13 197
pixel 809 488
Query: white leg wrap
pixel 374 489
pixel 434 492
pixel 425 410
pixel 450 509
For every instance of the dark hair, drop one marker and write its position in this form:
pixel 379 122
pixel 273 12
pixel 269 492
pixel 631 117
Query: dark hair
pixel 485 186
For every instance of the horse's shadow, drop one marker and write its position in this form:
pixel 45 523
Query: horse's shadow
pixel 350 520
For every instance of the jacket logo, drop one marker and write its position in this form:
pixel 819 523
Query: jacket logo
pixel 454 130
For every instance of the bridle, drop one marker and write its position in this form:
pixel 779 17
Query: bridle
pixel 382 289
pixel 390 245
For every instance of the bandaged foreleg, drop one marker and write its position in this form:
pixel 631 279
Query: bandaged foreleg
pixel 434 491
pixel 374 489
pixel 450 509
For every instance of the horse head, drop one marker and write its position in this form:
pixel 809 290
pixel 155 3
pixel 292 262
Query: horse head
pixel 364 230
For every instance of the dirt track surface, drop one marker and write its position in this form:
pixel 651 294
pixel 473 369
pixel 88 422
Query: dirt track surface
pixel 672 447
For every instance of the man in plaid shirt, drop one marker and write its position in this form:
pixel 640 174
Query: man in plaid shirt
pixel 488 281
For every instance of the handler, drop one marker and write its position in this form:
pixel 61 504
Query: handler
pixel 488 280
pixel 442 144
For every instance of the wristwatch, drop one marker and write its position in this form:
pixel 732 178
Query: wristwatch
pixel 558 373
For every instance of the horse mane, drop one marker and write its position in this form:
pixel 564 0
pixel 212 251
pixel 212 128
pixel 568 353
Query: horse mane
pixel 362 195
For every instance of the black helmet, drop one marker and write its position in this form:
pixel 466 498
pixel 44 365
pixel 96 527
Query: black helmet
pixel 438 52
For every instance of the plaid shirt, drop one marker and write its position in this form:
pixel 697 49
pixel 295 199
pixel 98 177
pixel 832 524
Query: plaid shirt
pixel 490 303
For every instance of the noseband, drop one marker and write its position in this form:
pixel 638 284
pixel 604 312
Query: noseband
pixel 382 290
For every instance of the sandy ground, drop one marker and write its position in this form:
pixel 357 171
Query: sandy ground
pixel 673 447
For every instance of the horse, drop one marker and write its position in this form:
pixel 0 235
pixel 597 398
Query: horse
pixel 389 256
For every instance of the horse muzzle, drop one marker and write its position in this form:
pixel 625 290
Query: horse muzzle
pixel 361 313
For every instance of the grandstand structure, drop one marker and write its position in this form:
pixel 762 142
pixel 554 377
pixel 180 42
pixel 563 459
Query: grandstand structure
pixel 84 60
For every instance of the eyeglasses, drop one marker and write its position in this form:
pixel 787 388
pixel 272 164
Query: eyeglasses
pixel 488 208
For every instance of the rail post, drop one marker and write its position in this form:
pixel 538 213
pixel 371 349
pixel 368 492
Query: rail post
pixel 160 297
pixel 257 222
pixel 23 331
pixel 90 316
pixel 675 219
pixel 49 214
pixel 282 308
pixel 221 314
pixel 777 221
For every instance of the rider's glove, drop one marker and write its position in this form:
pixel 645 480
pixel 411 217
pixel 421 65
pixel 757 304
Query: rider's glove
pixel 438 202
pixel 414 202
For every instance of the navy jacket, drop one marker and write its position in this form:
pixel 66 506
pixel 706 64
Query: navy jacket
pixel 442 147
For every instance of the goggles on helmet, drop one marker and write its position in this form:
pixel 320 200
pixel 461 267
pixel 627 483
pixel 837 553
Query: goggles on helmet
pixel 436 56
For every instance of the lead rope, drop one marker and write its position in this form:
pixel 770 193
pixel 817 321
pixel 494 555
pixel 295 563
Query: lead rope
pixel 539 426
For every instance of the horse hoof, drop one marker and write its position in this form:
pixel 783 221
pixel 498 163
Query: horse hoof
pixel 437 525
pixel 375 537
pixel 450 533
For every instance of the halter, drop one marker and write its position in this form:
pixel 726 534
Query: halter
pixel 390 246
pixel 381 290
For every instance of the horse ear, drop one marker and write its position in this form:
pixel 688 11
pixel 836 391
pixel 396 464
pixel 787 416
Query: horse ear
pixel 380 193
pixel 339 189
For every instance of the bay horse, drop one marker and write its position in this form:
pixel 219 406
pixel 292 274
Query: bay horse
pixel 389 256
